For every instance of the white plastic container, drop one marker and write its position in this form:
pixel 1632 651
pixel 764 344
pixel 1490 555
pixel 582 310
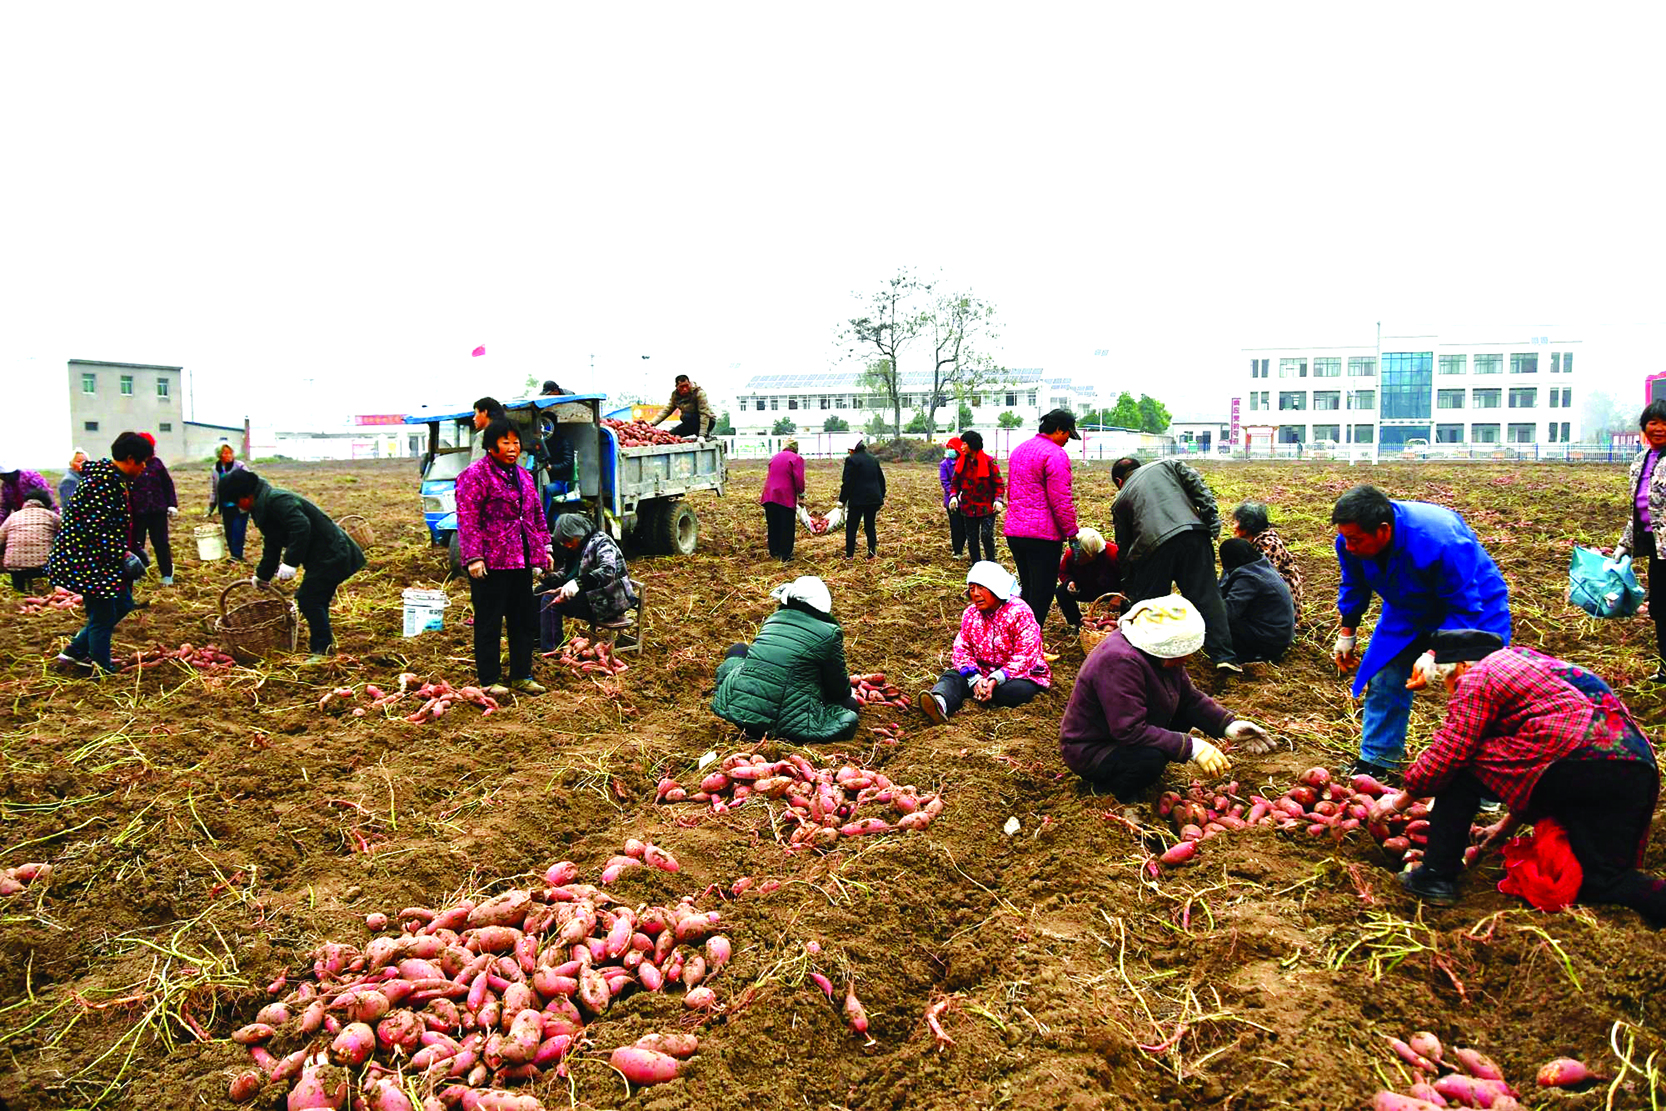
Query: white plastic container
pixel 211 542
pixel 424 611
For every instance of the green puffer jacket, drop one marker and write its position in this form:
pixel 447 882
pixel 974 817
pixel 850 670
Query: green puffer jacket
pixel 791 683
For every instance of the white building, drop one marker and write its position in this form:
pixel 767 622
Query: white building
pixel 809 399
pixel 1441 389
pixel 1199 432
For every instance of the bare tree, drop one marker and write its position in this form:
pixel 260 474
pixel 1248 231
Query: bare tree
pixel 959 323
pixel 896 316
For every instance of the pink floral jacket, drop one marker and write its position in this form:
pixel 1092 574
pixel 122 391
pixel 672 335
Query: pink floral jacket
pixel 1006 640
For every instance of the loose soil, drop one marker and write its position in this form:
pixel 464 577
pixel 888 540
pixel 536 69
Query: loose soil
pixel 201 832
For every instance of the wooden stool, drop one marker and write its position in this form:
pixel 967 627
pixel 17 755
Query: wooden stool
pixel 630 625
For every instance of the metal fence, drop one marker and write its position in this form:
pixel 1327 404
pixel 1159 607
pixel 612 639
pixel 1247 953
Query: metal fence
pixel 1428 453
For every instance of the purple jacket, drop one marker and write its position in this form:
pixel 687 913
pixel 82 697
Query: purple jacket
pixel 21 482
pixel 784 484
pixel 1124 697
pixel 1039 502
pixel 153 490
pixel 500 518
pixel 945 475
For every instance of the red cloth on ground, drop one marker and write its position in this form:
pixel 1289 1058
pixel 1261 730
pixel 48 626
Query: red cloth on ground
pixel 1542 868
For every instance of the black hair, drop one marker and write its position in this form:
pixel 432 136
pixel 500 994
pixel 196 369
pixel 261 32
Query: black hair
pixel 1124 467
pixel 491 406
pixel 130 447
pixel 38 495
pixel 1252 517
pixel 1364 506
pixel 1236 552
pixel 496 431
pixel 237 485
pixel 551 387
pixel 861 445
pixel 1058 420
pixel 1654 410
pixel 682 377
pixel 973 440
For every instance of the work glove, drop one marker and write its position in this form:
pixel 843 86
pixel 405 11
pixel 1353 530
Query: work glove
pixel 804 518
pixel 1426 672
pixel 286 572
pixel 999 505
pixel 1072 588
pixel 836 517
pixel 568 589
pixel 1211 759
pixel 954 502
pixel 173 511
pixel 477 569
pixel 1343 653
pixel 1250 738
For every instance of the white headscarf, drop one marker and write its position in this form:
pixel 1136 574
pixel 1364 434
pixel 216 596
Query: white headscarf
pixel 1091 540
pixel 1168 627
pixel 993 578
pixel 807 589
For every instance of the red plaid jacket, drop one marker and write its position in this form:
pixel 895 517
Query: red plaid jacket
pixel 977 495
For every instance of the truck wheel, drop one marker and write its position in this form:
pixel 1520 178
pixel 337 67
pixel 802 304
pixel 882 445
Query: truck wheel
pixel 455 549
pixel 643 535
pixel 676 529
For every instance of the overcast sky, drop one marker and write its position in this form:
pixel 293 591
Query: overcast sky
pixel 320 209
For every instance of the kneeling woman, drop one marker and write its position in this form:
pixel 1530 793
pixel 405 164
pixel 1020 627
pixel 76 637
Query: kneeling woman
pixel 791 682
pixel 997 653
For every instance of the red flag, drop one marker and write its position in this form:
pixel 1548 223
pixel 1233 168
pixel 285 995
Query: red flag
pixel 478 351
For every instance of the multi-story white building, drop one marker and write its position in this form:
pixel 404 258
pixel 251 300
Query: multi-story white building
pixel 1440 389
pixel 809 399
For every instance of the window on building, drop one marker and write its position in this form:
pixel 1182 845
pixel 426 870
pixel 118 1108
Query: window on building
pixel 1567 362
pixel 1331 432
pixel 1031 400
pixel 792 402
pixel 1362 399
pixel 1483 433
pixel 826 402
pixel 1292 368
pixel 1292 434
pixel 127 385
pixel 1449 433
pixel 1567 398
pixel 1556 362
pixel 1555 398
pixel 1453 364
pixel 1362 366
pixel 774 403
pixel 1449 399
pixel 1364 433
pixel 760 405
pixel 1522 433
pixel 90 426
pixel 1486 399
pixel 1327 368
pixel 1565 426
pixel 1406 380
pixel 89 384
pixel 1012 398
pixel 1524 362
pixel 974 400
pixel 1255 400
pixel 1551 428
pixel 1489 364
pixel 1327 399
pixel 1292 399
pixel 1060 402
pixel 165 426
pixel 1524 397
pixel 1266 399
pixel 161 387
pixel 856 401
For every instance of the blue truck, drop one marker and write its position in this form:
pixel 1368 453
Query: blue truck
pixel 632 492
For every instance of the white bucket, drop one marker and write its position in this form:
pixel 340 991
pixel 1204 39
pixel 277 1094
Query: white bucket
pixel 424 611
pixel 211 544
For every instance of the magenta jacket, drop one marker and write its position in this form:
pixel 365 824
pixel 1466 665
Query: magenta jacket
pixel 1039 502
pixel 500 518
pixel 784 484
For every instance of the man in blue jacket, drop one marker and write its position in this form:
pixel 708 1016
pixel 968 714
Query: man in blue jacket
pixel 1432 573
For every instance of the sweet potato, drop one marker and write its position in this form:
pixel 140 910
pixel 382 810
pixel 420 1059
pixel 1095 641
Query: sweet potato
pixel 496 1099
pixel 1179 853
pixel 1316 778
pixel 1411 1057
pixel 644 1066
pixel 1471 1091
pixel 353 1045
pixel 1422 1091
pixel 246 1086
pixel 700 999
pixel 1394 1101
pixel 252 1034
pixel 1564 1072
pixel 1427 1044
pixel 1478 1064
pixel 320 1086
pixel 389 1097
pixel 855 1013
pixel 680 1046
pixel 507 909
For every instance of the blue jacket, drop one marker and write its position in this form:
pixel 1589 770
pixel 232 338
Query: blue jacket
pixel 1434 574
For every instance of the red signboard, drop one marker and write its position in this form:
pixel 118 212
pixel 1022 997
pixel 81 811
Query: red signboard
pixel 1233 440
pixel 379 418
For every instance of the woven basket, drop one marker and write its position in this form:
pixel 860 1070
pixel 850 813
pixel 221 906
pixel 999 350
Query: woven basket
pixel 1115 604
pixel 356 526
pixel 255 628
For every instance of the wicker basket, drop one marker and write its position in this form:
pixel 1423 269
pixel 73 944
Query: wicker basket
pixel 1115 604
pixel 356 526
pixel 256 627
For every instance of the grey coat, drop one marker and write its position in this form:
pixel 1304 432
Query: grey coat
pixel 1160 500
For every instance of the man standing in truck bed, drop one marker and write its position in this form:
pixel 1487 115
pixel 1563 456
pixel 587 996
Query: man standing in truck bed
pixel 689 400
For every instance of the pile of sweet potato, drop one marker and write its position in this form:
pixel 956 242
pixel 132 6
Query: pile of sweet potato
pixel 208 657
pixel 584 656
pixel 1471 1078
pixel 14 880
pixel 873 689
pixel 461 1002
pixel 820 804
pixel 59 599
pixel 639 433
pixel 437 696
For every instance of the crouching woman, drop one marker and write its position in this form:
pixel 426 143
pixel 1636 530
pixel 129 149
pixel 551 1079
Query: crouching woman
pixel 997 653
pixel 791 681
pixel 1133 704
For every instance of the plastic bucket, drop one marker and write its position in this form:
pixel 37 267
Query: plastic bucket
pixel 424 611
pixel 211 543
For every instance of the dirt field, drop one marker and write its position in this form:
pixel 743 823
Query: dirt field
pixel 205 832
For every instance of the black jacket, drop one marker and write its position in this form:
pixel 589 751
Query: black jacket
pixel 1160 500
pixel 863 482
pixel 303 535
pixel 1259 609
